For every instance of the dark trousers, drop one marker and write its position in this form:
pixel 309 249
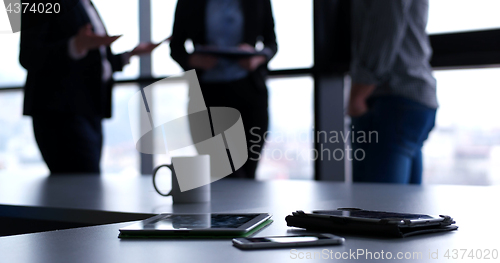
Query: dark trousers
pixel 69 143
pixel 395 129
pixel 252 103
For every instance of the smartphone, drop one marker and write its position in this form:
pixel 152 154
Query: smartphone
pixel 287 241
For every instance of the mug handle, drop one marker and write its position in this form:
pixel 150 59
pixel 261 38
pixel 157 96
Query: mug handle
pixel 169 166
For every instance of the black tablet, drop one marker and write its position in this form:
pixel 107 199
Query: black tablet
pixel 378 216
pixel 233 53
pixel 366 222
pixel 196 224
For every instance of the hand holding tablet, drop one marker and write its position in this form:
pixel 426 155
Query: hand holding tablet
pixel 232 53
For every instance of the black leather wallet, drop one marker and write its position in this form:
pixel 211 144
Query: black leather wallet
pixel 374 223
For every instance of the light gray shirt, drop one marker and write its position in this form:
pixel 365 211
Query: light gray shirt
pixel 391 49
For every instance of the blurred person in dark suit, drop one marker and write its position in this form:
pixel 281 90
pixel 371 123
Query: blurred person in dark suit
pixel 69 82
pixel 230 82
pixel 393 91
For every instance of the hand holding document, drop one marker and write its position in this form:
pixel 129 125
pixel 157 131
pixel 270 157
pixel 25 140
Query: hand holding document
pixel 146 47
pixel 86 39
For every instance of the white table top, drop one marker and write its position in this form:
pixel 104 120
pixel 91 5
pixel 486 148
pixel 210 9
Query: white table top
pixel 92 199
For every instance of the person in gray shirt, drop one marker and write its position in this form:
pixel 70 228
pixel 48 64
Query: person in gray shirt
pixel 393 92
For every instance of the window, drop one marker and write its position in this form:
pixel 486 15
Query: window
pixel 121 17
pixel 287 151
pixel 162 17
pixel 170 101
pixel 119 153
pixel 11 72
pixel 464 147
pixel 294 32
pixel 18 150
pixel 462 15
pixel 20 154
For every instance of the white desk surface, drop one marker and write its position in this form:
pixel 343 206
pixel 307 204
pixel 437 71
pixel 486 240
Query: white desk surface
pixel 92 199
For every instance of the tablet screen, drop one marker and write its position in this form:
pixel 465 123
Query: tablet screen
pixel 200 221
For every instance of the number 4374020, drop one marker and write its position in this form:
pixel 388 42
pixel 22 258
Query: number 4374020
pixel 41 8
pixel 471 254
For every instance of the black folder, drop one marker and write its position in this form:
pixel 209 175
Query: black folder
pixel 382 227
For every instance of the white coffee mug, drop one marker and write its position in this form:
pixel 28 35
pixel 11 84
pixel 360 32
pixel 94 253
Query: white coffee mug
pixel 191 173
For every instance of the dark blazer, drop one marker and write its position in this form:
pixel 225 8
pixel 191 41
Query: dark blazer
pixel 56 83
pixel 190 24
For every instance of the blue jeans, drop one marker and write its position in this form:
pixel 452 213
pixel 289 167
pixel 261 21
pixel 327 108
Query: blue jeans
pixel 395 129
